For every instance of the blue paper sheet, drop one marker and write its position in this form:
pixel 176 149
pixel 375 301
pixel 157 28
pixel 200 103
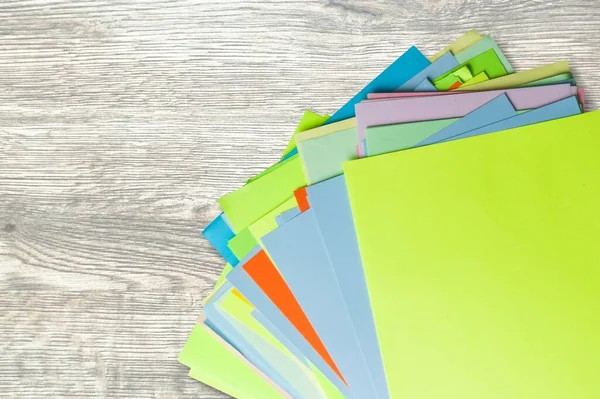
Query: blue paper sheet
pixel 560 109
pixel 301 257
pixel 287 216
pixel 329 202
pixel 442 65
pixel 425 85
pixel 405 67
pixel 218 233
pixel 498 109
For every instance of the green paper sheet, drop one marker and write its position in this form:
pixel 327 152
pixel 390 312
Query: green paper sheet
pixel 482 77
pixel 249 238
pixel 248 203
pixel 482 262
pixel 481 46
pixel 519 78
pixel 227 369
pixel 487 62
pixel 460 44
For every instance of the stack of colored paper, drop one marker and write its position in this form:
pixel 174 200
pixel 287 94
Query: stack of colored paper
pixel 436 237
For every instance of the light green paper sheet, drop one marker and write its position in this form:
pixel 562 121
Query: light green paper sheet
pixel 480 47
pixel 249 238
pixel 481 260
pixel 482 77
pixel 228 371
pixel 460 44
pixel 242 243
pixel 487 62
pixel 248 203
pixel 519 78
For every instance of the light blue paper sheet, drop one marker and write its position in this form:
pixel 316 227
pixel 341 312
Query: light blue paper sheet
pixel 496 110
pixel 560 109
pixel 329 202
pixel 287 216
pixel 442 65
pixel 302 259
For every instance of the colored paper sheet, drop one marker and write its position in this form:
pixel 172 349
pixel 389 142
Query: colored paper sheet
pixel 251 338
pixel 250 202
pixel 287 216
pixel 227 369
pixel 331 208
pixel 506 305
pixel 482 77
pixel 309 120
pixel 247 239
pixel 218 233
pixel 425 86
pixel 520 78
pixel 561 90
pixel 299 253
pixel 322 157
pixel 405 67
pixel 245 341
pixel 448 81
pixel 444 64
pixel 498 109
pixel 279 306
pixel 460 44
pixel 487 62
pixel 552 80
pixel 389 138
pixel 220 281
pixel 559 109
pixel 326 130
pixel 481 46
pixel 414 109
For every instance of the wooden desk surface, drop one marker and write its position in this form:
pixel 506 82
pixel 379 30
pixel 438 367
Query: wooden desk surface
pixel 121 122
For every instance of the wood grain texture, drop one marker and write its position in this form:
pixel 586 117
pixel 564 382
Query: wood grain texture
pixel 121 122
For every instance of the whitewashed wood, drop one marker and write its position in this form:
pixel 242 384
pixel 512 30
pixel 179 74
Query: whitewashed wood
pixel 122 121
